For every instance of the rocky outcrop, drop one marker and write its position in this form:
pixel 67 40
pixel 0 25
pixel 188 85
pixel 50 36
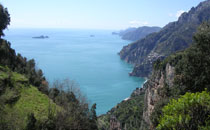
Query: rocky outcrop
pixel 114 124
pixel 144 69
pixel 174 37
pixel 138 91
pixel 158 80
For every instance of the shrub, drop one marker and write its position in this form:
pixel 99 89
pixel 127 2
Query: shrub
pixel 191 111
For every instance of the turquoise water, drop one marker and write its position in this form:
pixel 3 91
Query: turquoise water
pixel 92 62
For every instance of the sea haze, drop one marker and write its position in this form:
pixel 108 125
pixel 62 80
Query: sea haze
pixel 92 61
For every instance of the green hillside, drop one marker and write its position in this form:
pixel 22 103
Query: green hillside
pixel 19 99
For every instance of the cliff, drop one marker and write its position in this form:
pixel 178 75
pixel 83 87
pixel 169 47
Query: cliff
pixel 173 37
pixel 156 82
pixel 178 74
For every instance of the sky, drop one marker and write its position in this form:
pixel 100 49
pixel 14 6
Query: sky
pixel 95 14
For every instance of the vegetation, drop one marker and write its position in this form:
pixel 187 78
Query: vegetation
pixel 175 36
pixel 21 65
pixel 23 106
pixel 75 113
pixel 4 19
pixel 192 66
pixel 17 63
pixel 191 111
pixel 18 99
pixel 26 102
pixel 128 113
pixel 192 73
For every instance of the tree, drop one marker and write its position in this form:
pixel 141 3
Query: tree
pixel 75 113
pixel 193 70
pixel 93 117
pixel 4 19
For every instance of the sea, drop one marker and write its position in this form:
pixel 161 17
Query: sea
pixel 88 57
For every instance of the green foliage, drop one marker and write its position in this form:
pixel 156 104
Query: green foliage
pixel 93 117
pixel 128 113
pixel 4 19
pixel 191 111
pixel 18 99
pixel 192 70
pixel 155 116
pixel 75 113
pixel 23 106
pixel 192 66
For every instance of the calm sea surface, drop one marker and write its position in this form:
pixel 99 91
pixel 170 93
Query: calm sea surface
pixel 92 62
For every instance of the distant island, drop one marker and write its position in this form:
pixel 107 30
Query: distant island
pixel 41 37
pixel 115 33
pixel 92 35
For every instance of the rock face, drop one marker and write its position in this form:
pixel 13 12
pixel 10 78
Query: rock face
pixel 143 69
pixel 173 37
pixel 114 124
pixel 157 81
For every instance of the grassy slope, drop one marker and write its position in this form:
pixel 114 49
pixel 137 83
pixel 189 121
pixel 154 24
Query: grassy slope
pixel 30 99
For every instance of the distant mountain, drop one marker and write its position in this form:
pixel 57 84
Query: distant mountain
pixel 139 33
pixel 134 34
pixel 173 37
pixel 123 32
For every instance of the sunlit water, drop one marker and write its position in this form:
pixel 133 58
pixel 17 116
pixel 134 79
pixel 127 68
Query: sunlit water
pixel 92 62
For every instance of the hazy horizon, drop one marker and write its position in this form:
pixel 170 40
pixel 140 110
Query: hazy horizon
pixel 93 14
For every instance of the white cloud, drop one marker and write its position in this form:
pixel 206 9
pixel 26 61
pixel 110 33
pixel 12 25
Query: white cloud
pixel 136 23
pixel 179 13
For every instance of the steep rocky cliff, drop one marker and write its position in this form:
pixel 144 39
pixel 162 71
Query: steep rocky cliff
pixel 157 81
pixel 135 112
pixel 173 37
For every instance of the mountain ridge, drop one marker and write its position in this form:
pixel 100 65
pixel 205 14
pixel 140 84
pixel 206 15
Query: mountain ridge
pixel 134 34
pixel 173 37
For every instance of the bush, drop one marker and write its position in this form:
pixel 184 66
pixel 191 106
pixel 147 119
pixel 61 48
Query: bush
pixel 191 111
